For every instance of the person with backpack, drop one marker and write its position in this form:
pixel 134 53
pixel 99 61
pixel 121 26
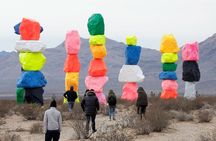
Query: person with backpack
pixel 52 123
pixel 142 101
pixel 112 104
pixel 71 96
pixel 90 106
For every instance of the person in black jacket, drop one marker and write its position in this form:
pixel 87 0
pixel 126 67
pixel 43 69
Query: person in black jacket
pixel 90 106
pixel 71 96
pixel 142 101
pixel 112 104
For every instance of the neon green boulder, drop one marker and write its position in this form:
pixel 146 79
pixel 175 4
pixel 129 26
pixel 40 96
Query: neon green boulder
pixel 97 40
pixel 169 57
pixel 131 40
pixel 96 25
pixel 32 61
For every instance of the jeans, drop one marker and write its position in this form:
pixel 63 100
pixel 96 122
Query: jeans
pixel 92 118
pixel 112 112
pixel 52 135
pixel 70 106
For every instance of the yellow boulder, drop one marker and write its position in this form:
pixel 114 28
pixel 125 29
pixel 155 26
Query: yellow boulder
pixel 72 79
pixel 131 40
pixel 169 44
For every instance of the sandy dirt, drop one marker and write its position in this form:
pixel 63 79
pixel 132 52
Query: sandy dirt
pixel 181 131
pixel 177 131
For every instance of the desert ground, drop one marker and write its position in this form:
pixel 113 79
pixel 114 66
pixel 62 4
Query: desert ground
pixel 179 120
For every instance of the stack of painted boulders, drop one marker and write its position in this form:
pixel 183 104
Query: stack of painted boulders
pixel 131 73
pixel 169 49
pixel 191 73
pixel 32 61
pixel 97 70
pixel 72 63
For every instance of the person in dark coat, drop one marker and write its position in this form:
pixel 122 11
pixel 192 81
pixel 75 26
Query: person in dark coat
pixel 87 90
pixel 142 101
pixel 71 96
pixel 112 104
pixel 90 106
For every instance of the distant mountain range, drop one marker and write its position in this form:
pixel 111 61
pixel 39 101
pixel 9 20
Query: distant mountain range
pixel 149 63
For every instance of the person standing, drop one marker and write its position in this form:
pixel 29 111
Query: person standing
pixel 71 96
pixel 90 106
pixel 52 123
pixel 142 101
pixel 112 104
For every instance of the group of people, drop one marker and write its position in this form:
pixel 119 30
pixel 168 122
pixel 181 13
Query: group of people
pixel 90 105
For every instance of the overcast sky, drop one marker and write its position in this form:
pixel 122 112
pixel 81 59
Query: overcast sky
pixel 188 20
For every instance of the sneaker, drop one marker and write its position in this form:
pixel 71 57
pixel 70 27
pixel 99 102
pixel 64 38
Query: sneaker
pixel 114 119
pixel 94 131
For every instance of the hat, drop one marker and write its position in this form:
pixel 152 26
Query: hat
pixel 53 104
pixel 140 89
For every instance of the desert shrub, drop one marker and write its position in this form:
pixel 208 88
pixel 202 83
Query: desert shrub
pixel 104 110
pixel 79 128
pixel 211 100
pixel 158 118
pixel 30 111
pixel 114 135
pixel 126 103
pixel 128 119
pixel 143 127
pixel 179 104
pixel 2 122
pixel 63 107
pixel 10 137
pixel 208 136
pixel 5 107
pixel 76 114
pixel 205 115
pixel 77 121
pixel 36 128
pixel 182 116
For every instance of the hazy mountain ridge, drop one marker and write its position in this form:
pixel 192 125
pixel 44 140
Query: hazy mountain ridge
pixel 149 63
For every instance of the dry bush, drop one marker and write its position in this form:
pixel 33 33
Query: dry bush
pixel 78 121
pixel 104 110
pixel 5 107
pixel 36 128
pixel 211 100
pixel 132 120
pixel 181 116
pixel 10 137
pixel 158 118
pixel 205 115
pixel 179 104
pixel 30 111
pixel 114 135
pixel 126 103
pixel 208 136
pixel 63 107
pixel 2 122
pixel 76 114
pixel 143 127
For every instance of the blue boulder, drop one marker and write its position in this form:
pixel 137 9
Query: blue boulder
pixel 168 75
pixel 132 55
pixel 31 79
